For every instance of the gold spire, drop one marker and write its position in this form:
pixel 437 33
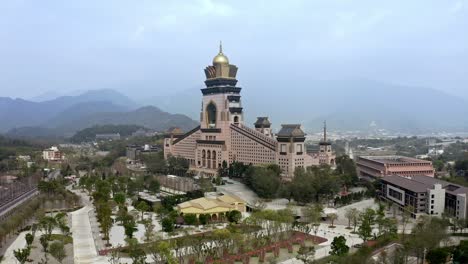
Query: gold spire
pixel 325 131
pixel 220 58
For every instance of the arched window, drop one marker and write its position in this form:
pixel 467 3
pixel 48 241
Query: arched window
pixel 203 158
pixel 214 159
pixel 208 157
pixel 236 120
pixel 211 113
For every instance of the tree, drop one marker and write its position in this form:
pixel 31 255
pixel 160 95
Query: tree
pixel 161 252
pixel 129 226
pixel 234 216
pixel 135 252
pixel 119 198
pixel 346 168
pixel 338 246
pixel 29 239
pixel 190 219
pixel 47 224
pixel 22 254
pixel 265 182
pixel 306 254
pixel 45 244
pixel 406 218
pixel 155 163
pixel 203 218
pixel 57 251
pixel 312 215
pixel 61 222
pixel 437 256
pixel 354 218
pixel 367 220
pixel 332 218
pixel 142 206
pixel 149 227
pixel 154 186
pixel 167 224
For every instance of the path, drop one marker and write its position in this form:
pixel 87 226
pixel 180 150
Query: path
pixel 84 246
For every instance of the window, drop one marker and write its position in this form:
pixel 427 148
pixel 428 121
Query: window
pixel 283 148
pixel 432 196
pixel 211 113
pixel 299 147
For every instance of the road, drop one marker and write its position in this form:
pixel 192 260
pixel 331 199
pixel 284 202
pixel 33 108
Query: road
pixel 5 209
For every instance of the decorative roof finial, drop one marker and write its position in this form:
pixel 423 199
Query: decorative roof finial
pixel 325 131
pixel 220 46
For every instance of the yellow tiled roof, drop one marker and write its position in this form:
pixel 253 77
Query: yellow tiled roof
pixel 208 203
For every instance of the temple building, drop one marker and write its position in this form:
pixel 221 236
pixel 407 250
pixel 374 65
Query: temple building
pixel 223 136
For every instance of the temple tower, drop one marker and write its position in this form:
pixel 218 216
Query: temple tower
pixel 221 104
pixel 326 155
pixel 263 126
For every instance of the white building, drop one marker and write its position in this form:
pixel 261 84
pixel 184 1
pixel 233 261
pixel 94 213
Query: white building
pixel 53 154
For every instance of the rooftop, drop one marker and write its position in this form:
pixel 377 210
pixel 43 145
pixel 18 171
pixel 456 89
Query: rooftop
pixel 394 159
pixel 419 183
pixel 209 203
pixel 262 121
pixel 291 130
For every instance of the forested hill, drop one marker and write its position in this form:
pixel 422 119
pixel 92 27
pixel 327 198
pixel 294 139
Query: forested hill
pixel 89 134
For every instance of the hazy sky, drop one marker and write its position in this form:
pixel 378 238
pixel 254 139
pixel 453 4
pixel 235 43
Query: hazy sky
pixel 162 46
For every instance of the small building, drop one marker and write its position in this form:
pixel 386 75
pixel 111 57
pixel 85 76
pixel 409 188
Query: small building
pixel 374 167
pixel 212 206
pixel 426 195
pixel 134 152
pixel 53 154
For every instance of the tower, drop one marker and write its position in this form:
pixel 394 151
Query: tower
pixel 221 104
pixel 291 148
pixel 263 126
pixel 326 155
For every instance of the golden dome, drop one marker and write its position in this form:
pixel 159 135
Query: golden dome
pixel 220 58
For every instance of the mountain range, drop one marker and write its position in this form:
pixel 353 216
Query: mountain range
pixel 345 105
pixel 65 115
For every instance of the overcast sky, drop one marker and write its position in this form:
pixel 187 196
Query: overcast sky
pixel 157 47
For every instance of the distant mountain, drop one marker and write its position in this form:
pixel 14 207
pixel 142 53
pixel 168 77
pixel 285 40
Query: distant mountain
pixel 77 111
pixel 16 113
pixel 149 117
pixel 345 104
pixel 70 122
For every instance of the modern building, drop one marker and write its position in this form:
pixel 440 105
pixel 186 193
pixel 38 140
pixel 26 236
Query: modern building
pixel 373 167
pixel 53 154
pixel 212 206
pixel 222 135
pixel 135 152
pixel 426 195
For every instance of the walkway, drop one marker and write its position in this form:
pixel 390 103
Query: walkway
pixel 84 247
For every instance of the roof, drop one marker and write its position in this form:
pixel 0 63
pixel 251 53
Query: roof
pixel 262 121
pixel 406 183
pixel 394 159
pixel 291 130
pixel 419 183
pixel 209 203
